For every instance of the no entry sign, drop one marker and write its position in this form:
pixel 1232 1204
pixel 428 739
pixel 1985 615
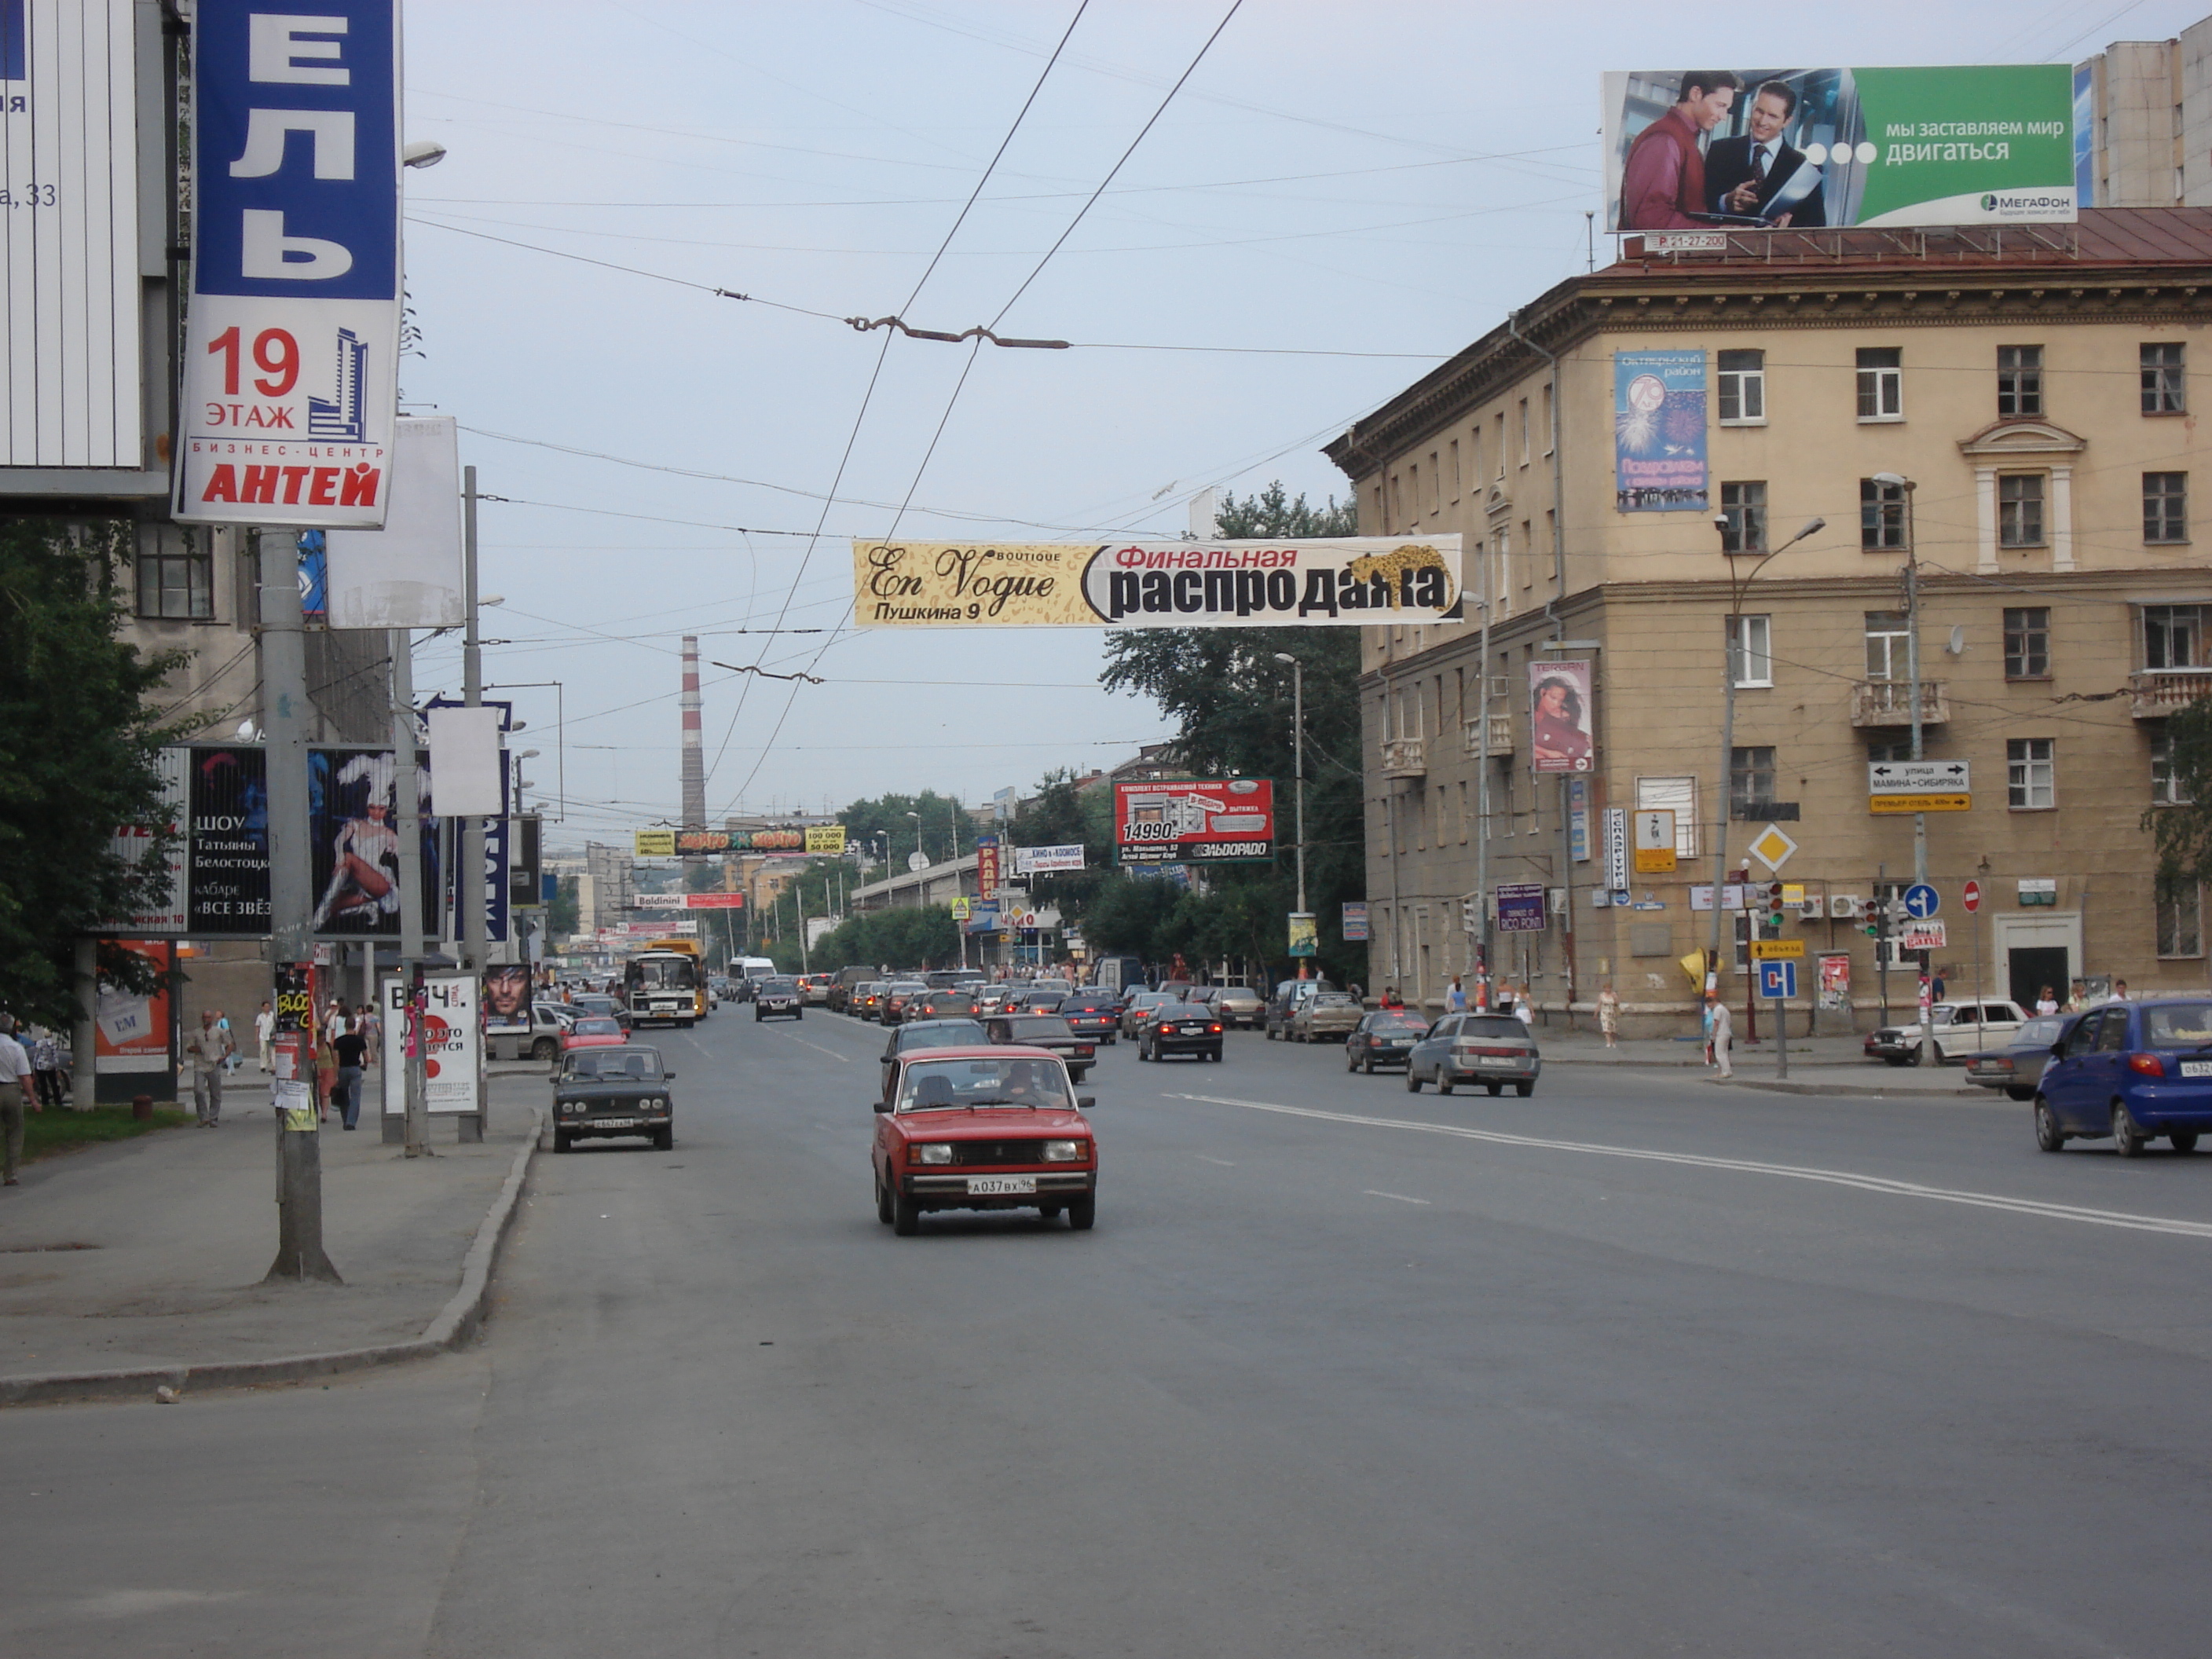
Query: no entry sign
pixel 1971 897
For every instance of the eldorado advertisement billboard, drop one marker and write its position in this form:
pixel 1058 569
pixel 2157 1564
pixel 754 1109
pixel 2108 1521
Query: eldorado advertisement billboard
pixel 1194 823
pixel 1805 148
pixel 1350 580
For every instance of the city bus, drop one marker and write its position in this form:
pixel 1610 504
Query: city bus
pixel 666 981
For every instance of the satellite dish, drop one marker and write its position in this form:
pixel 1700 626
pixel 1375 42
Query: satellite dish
pixel 1958 645
pixel 917 861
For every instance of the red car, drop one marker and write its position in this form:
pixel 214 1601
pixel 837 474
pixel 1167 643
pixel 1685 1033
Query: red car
pixel 594 1032
pixel 983 1128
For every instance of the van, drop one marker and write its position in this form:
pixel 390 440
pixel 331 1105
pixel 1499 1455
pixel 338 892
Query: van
pixel 1122 974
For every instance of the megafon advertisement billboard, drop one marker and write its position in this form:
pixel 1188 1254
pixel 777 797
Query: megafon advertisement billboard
pixel 1194 823
pixel 1810 148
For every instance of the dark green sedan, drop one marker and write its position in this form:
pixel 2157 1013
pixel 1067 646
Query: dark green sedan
pixel 604 1092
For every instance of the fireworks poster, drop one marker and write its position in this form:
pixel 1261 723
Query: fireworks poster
pixel 1659 432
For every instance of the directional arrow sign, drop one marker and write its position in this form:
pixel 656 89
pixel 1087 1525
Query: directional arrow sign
pixel 1919 777
pixel 1922 900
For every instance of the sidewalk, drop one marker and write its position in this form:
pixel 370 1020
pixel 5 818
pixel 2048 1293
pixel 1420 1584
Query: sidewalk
pixel 149 1254
pixel 1835 1066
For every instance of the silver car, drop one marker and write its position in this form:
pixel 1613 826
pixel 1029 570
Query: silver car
pixel 1490 1049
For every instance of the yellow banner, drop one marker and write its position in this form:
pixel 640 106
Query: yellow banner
pixel 828 838
pixel 1920 803
pixel 654 843
pixel 1778 950
pixel 1238 583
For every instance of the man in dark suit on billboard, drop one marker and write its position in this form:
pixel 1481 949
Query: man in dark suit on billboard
pixel 1757 175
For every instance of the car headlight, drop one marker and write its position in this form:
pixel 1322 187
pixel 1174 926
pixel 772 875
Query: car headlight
pixel 1063 1152
pixel 934 1152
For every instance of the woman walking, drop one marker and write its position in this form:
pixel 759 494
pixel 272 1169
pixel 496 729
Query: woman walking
pixel 1609 1015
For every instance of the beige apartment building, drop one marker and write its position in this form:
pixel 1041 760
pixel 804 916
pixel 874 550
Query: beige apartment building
pixel 2039 388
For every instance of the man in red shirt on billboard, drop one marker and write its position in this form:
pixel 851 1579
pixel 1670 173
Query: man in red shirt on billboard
pixel 1663 185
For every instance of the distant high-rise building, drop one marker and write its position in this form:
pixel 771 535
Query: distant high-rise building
pixel 2143 123
pixel 695 760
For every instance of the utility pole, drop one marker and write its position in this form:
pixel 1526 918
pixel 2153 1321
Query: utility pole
pixel 291 893
pixel 1298 743
pixel 407 817
pixel 469 878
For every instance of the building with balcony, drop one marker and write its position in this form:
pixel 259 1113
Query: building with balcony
pixel 2035 387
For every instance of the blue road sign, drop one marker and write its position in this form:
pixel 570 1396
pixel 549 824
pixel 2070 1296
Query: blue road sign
pixel 1922 900
pixel 1777 981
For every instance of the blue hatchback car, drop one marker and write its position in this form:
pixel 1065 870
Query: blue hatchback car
pixel 2134 1071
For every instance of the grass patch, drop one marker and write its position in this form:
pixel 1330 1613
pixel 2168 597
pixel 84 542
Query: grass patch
pixel 58 1129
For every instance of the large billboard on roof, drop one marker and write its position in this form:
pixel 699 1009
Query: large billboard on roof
pixel 1808 148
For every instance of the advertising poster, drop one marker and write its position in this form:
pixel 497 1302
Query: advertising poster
pixel 1305 935
pixel 1355 921
pixel 408 574
pixel 392 990
pixel 1659 432
pixel 825 840
pixel 986 866
pixel 1352 580
pixel 506 997
pixel 227 842
pixel 1836 983
pixel 162 910
pixel 131 1031
pixel 1045 861
pixel 1521 907
pixel 1559 717
pixel 1753 149
pixel 700 840
pixel 353 838
pixel 451 1047
pixel 1194 823
pixel 291 357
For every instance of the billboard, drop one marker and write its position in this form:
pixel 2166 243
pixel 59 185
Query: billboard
pixel 163 910
pixel 291 353
pixel 1559 726
pixel 353 840
pixel 1808 149
pixel 408 574
pixel 1659 432
pixel 825 839
pixel 69 352
pixel 1194 823
pixel 226 840
pixel 130 1029
pixel 1244 583
pixel 1044 861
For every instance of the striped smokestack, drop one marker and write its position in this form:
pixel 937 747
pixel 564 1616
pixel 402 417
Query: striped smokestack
pixel 694 762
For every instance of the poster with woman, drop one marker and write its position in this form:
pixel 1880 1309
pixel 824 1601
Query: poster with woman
pixel 1559 731
pixel 353 826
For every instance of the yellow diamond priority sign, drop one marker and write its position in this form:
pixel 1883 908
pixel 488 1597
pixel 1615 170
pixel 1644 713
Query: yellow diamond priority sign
pixel 1771 848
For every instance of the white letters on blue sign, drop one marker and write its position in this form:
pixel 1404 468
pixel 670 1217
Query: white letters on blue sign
pixel 274 47
pixel 268 252
pixel 330 136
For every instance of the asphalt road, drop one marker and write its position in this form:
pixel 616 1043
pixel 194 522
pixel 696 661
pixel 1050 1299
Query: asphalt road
pixel 1636 1367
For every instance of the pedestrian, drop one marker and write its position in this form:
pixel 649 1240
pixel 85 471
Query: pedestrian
pixel 1939 988
pixel 1609 1015
pixel 231 1058
pixel 204 1054
pixel 2047 1003
pixel 372 1029
pixel 1391 998
pixel 15 1095
pixel 45 1052
pixel 348 1049
pixel 326 1072
pixel 2119 990
pixel 1723 1033
pixel 1524 1009
pixel 265 1036
pixel 1456 999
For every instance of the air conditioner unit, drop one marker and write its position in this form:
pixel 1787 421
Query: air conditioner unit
pixel 1845 906
pixel 1813 907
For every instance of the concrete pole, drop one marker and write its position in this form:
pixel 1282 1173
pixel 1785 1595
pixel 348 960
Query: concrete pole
pixel 407 798
pixel 469 878
pixel 285 712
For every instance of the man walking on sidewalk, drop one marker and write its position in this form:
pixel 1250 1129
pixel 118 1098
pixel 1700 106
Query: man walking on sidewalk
pixel 203 1051
pixel 265 1035
pixel 15 1095
pixel 1722 1032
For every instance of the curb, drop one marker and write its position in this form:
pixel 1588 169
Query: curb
pixel 1963 1094
pixel 457 1322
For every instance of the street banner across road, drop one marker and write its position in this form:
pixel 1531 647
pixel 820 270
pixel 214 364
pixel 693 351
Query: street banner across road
pixel 291 361
pixel 1351 580
pixel 1194 823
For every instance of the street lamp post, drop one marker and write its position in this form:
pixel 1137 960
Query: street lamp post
pixel 1298 741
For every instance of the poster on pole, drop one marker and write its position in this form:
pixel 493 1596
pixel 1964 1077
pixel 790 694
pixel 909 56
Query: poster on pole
pixel 1349 580
pixel 1229 821
pixel 291 351
pixel 408 574
pixel 1659 432
pixel 452 1051
pixel 1355 921
pixel 1305 934
pixel 1559 716
pixel 507 998
pixel 227 842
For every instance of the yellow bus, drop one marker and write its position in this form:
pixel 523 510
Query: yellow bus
pixel 665 981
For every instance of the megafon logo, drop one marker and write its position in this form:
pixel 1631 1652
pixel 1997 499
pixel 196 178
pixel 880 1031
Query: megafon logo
pixel 1996 204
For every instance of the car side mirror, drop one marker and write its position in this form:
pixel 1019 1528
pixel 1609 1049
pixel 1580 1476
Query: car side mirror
pixel 880 1107
pixel 1085 1103
pixel 671 1076
pixel 2058 1049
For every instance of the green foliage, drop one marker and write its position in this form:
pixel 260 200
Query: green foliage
pixel 886 815
pixel 77 746
pixel 564 914
pixel 2183 833
pixel 900 939
pixel 1269 513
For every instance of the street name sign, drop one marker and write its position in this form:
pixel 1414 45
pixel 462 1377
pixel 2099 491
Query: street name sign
pixel 1920 777
pixel 1920 803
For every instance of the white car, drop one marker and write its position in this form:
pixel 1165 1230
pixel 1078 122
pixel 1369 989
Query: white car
pixel 1956 1031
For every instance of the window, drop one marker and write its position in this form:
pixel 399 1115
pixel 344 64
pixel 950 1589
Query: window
pixel 2019 381
pixel 2027 643
pixel 1547 418
pixel 1680 797
pixel 1455 469
pixel 1529 564
pixel 2019 509
pixel 1751 662
pixel 1413 491
pixel 1501 444
pixel 1743 388
pixel 1435 484
pixel 2181 921
pixel 2029 775
pixel 1744 506
pixel 2163 387
pixel 2165 789
pixel 1888 750
pixel 1397 505
pixel 2173 637
pixel 1751 780
pixel 1881 516
pixel 178 582
pixel 2165 506
pixel 1889 639
pixel 1524 432
pixel 1881 383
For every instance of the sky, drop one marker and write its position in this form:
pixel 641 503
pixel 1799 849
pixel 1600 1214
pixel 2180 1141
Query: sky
pixel 1335 198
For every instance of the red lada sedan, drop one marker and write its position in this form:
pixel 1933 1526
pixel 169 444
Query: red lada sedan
pixel 983 1128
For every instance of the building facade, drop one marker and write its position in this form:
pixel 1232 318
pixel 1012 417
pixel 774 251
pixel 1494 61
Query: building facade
pixel 2036 390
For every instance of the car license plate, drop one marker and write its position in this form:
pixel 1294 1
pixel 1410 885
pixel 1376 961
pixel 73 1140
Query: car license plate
pixel 1496 1059
pixel 985 1186
pixel 615 1122
pixel 2197 1068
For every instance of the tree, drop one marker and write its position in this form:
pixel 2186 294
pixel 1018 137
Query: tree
pixel 2182 833
pixel 886 815
pixel 78 741
pixel 1269 513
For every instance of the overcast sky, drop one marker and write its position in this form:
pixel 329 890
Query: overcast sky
pixel 1361 179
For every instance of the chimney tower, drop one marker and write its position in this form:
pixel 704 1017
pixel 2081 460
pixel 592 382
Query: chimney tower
pixel 694 765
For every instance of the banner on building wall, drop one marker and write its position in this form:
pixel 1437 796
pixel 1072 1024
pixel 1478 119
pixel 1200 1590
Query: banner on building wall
pixel 1355 921
pixel 291 353
pixel 1559 718
pixel 1659 432
pixel 1763 149
pixel 1194 823
pixel 1241 584
pixel 1520 906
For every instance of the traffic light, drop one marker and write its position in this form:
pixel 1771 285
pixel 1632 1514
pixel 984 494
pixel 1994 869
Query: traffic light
pixel 1774 904
pixel 1876 908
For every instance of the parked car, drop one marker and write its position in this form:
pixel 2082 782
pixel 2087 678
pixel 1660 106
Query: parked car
pixel 918 1034
pixel 2019 1065
pixel 780 996
pixel 1240 1004
pixel 1956 1030
pixel 548 1020
pixel 983 1130
pixel 1094 1013
pixel 1179 1028
pixel 1139 1003
pixel 1328 1017
pixel 1385 1038
pixel 2132 1071
pixel 1045 1031
pixel 607 1091
pixel 1490 1049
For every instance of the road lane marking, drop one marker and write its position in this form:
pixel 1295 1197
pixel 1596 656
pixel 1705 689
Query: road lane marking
pixel 1223 1162
pixel 816 1047
pixel 1370 1191
pixel 2075 1213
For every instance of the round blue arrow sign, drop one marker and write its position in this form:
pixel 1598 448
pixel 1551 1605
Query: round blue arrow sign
pixel 1922 900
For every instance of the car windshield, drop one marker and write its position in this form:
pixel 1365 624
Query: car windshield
pixel 638 1065
pixel 598 1027
pixel 940 1086
pixel 663 973
pixel 2186 1025
pixel 943 1034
